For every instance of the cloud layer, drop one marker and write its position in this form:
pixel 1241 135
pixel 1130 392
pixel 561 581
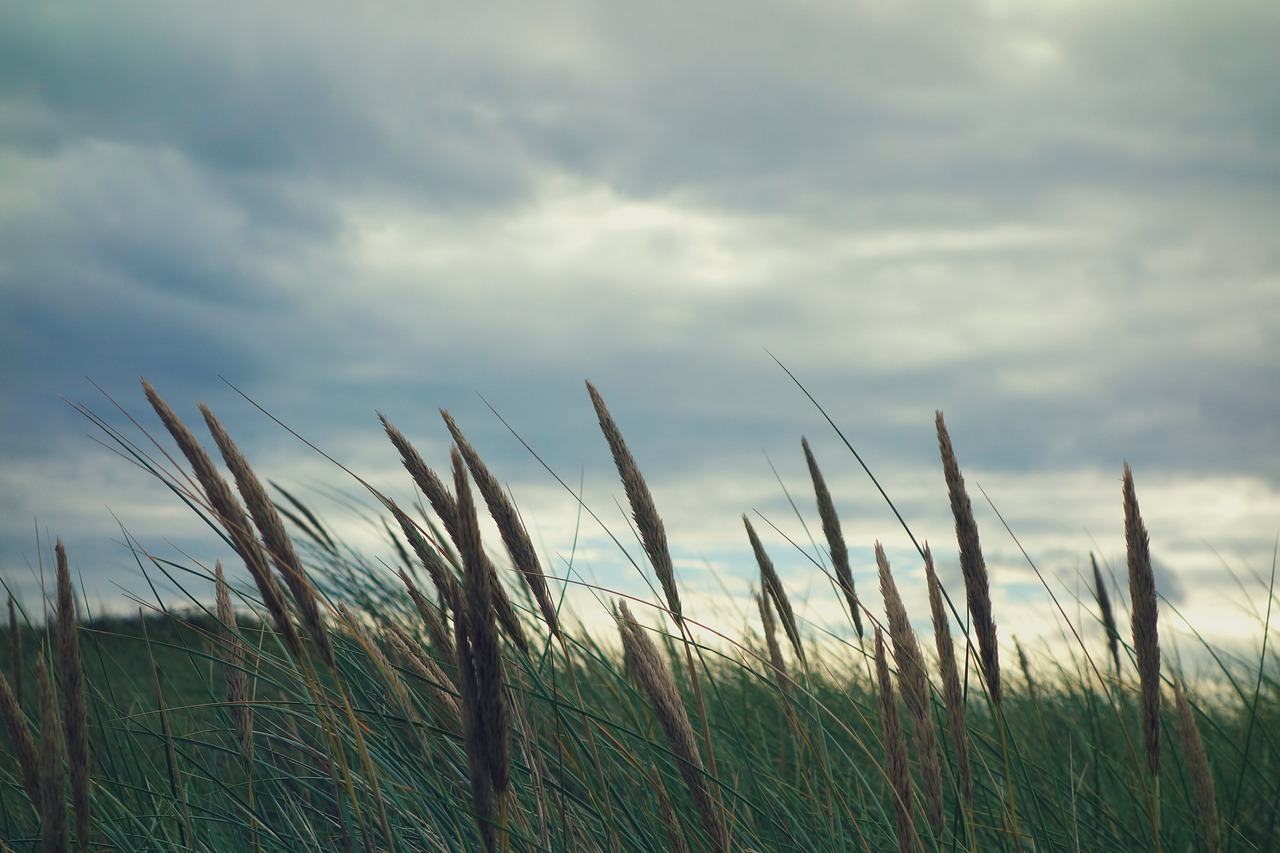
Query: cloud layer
pixel 1056 222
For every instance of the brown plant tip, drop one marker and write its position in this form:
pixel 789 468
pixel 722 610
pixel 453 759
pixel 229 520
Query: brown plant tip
pixel 428 670
pixel 432 620
pixel 274 537
pixel 237 682
pixel 771 644
pixel 1107 612
pixel 441 574
pixel 835 537
pixel 914 682
pixel 952 693
pixel 231 515
pixel 1145 616
pixel 1202 787
pixel 653 535
pixel 446 507
pixel 655 680
pixel 426 479
pixel 972 565
pixel 75 714
pixel 895 750
pixel 390 674
pixel 484 647
pixel 514 536
pixel 53 798
pixel 16 660
pixel 22 741
pixel 773 586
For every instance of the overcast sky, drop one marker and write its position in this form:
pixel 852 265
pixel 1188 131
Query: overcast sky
pixel 1057 222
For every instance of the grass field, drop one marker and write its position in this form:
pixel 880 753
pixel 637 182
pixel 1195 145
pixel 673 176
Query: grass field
pixel 336 705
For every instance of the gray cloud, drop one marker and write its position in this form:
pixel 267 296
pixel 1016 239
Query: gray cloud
pixel 1055 223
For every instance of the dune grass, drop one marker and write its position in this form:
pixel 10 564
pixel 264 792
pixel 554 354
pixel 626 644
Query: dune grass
pixel 450 703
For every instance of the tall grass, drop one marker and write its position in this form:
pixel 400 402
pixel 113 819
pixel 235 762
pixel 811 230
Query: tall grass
pixel 450 703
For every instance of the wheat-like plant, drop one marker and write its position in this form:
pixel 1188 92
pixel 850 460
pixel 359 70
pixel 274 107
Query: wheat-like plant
pixel 914 683
pixel 772 584
pixel 1146 637
pixel 277 541
pixel 54 832
pixel 972 564
pixel 897 767
pixel 835 537
pixel 1204 797
pixel 523 555
pixel 655 679
pixel 75 713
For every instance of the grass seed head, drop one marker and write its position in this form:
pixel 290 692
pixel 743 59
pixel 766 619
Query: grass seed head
pixel 972 564
pixel 1146 637
pixel 835 538
pixel 653 535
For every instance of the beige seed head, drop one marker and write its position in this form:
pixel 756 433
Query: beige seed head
pixel 653 535
pixel 274 536
pixel 490 709
pixel 23 742
pixel 914 682
pixel 972 565
pixel 657 683
pixel 1202 787
pixel 75 713
pixel 523 555
pixel 237 682
pixel 952 693
pixel 773 586
pixel 895 751
pixel 1108 614
pixel 835 537
pixel 232 517
pixel 1146 638
pixel 53 798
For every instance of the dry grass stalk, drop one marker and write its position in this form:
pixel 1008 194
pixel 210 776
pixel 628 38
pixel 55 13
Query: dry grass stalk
pixel 895 751
pixel 53 799
pixel 773 586
pixel 914 683
pixel 277 541
pixel 667 811
pixel 972 565
pixel 379 658
pixel 1108 613
pixel 17 663
pixel 426 479
pixel 776 661
pixel 24 744
pixel 655 679
pixel 446 507
pixel 75 714
pixel 233 518
pixel 473 736
pixel 653 535
pixel 480 651
pixel 1146 638
pixel 431 620
pixel 441 574
pixel 835 538
pixel 523 555
pixel 1025 666
pixel 442 688
pixel 1202 788
pixel 952 693
pixel 233 670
